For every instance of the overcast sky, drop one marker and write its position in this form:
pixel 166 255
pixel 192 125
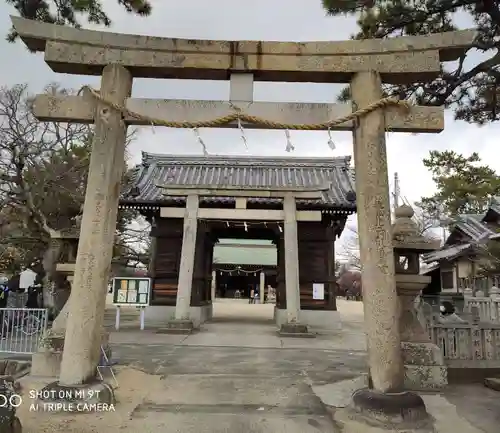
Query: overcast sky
pixel 295 20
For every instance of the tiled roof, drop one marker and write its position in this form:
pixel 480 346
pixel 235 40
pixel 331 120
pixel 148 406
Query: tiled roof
pixel 495 204
pixel 474 227
pixel 446 253
pixel 243 171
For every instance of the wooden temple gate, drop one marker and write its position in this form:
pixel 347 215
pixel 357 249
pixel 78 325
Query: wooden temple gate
pixel 364 64
pixel 244 212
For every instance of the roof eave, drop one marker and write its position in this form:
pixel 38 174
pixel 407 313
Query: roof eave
pixel 168 203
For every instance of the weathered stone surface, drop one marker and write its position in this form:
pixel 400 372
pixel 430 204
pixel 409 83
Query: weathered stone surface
pixel 398 68
pixel 177 327
pixel 423 362
pixel 47 361
pixel 46 364
pixel 492 383
pixel 449 44
pixel 291 253
pixel 11 368
pixel 81 109
pixel 381 305
pixel 408 287
pixel 85 321
pixel 187 261
pixel 295 330
pixel 403 409
pixel 421 353
pixel 425 377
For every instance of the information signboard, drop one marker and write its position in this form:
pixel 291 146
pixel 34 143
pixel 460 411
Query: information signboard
pixel 131 291
pixel 318 291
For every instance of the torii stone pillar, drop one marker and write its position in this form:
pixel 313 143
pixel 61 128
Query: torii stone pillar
pixel 380 298
pixel 85 321
pixel 375 244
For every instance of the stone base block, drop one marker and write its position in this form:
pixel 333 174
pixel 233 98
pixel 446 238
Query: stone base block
pixel 160 315
pixel 425 377
pixel 424 366
pixel 403 409
pixel 47 361
pixel 492 383
pixel 95 396
pixel 177 327
pixel 46 364
pixel 321 320
pixel 15 369
pixel 295 330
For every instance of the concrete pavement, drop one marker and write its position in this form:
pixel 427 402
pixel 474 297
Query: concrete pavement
pixel 238 375
pixel 238 368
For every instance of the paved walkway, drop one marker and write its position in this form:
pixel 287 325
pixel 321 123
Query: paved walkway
pixel 236 375
pixel 249 379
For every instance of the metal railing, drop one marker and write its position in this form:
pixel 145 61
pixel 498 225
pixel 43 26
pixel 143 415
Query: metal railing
pixel 21 329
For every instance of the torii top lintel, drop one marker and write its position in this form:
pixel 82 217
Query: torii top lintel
pixel 398 60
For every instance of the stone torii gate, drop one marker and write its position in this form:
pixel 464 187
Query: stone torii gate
pixel 365 64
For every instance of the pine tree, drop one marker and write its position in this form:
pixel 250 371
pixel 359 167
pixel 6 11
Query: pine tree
pixel 471 85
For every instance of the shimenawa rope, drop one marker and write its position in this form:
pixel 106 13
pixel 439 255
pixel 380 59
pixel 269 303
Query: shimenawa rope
pixel 242 117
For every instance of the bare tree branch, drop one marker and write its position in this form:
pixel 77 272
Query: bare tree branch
pixel 349 249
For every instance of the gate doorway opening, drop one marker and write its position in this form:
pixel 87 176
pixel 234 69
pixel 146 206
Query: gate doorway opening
pixel 244 280
pixel 244 267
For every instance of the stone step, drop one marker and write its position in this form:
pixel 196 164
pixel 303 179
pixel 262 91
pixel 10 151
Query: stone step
pixel 492 383
pixel 203 420
pixel 221 403
pixel 123 313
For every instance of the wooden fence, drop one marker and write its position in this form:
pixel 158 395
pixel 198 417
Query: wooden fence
pixel 466 345
pixel 488 307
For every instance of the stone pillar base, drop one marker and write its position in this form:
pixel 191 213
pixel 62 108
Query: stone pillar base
pixel 295 330
pixel 46 364
pixel 403 410
pixel 47 361
pixel 177 327
pixel 320 320
pixel 158 316
pixel 424 366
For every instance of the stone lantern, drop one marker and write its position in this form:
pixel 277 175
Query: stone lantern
pixel 60 262
pixel 424 364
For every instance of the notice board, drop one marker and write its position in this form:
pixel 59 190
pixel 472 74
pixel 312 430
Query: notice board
pixel 131 291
